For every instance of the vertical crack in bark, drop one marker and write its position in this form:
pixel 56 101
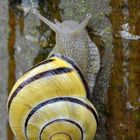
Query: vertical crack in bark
pixel 12 63
pixel 134 72
pixel 116 121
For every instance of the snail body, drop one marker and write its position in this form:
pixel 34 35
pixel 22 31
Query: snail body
pixel 51 100
pixel 73 41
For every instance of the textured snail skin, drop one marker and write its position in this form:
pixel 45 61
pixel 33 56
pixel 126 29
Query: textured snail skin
pixel 73 41
pixel 51 100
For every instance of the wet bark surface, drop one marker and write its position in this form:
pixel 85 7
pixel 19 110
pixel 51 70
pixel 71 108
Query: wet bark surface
pixel 25 41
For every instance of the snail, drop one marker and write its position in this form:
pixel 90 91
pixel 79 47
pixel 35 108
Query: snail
pixel 51 100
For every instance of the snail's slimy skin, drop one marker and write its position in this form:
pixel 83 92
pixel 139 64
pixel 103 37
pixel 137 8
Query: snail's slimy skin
pixel 73 41
pixel 50 102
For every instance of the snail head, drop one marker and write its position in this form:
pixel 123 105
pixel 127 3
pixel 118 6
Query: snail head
pixel 67 27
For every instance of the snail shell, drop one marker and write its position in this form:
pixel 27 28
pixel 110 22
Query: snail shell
pixel 50 102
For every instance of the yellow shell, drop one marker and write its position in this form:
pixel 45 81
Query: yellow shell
pixel 49 102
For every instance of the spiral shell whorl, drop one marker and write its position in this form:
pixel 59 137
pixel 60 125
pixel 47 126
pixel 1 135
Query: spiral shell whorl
pixel 49 102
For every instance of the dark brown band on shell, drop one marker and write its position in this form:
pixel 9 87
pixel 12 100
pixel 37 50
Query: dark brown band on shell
pixel 70 61
pixel 59 99
pixel 63 120
pixel 36 77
